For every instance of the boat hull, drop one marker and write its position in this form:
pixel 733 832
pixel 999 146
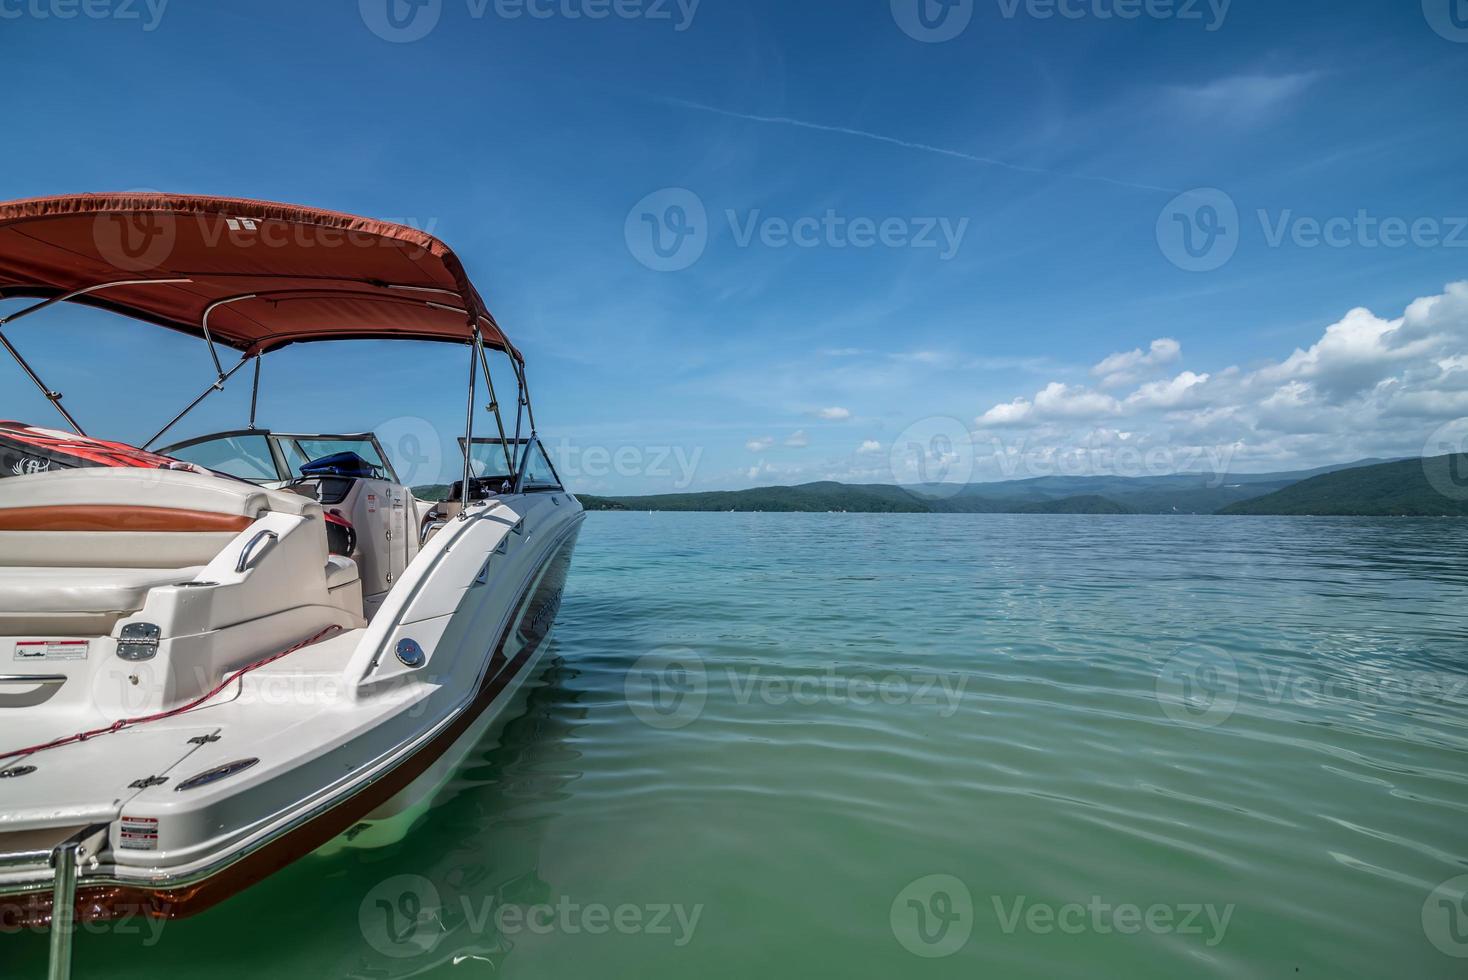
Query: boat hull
pixel 408 778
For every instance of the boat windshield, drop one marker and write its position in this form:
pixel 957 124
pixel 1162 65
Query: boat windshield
pixel 489 462
pixel 272 457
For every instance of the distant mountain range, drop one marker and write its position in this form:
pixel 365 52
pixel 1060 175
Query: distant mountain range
pixel 1436 487
pixel 1366 488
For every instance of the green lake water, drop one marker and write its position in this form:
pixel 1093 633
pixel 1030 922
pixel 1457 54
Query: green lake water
pixel 911 746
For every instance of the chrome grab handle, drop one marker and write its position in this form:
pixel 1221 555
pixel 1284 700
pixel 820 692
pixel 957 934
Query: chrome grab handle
pixel 428 530
pixel 48 679
pixel 249 553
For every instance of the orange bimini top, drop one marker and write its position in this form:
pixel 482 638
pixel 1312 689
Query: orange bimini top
pixel 250 275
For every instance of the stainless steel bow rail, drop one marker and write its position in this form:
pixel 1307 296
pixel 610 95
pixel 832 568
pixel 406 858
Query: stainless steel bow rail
pixel 66 856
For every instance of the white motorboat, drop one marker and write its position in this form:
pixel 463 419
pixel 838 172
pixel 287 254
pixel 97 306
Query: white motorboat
pixel 221 655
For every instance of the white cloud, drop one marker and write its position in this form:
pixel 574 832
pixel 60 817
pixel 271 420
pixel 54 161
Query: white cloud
pixel 869 446
pixel 1183 391
pixel 1369 386
pixel 1057 401
pixel 1240 99
pixel 928 358
pixel 834 414
pixel 1015 413
pixel 760 445
pixel 1132 366
pixel 797 439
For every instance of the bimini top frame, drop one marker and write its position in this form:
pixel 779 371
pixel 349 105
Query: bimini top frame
pixel 249 275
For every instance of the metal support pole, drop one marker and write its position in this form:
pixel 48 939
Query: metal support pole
pixel 466 493
pixel 86 291
pixel 63 909
pixel 530 416
pixel 255 392
pixel 519 417
pixel 66 861
pixel 216 386
pixel 204 325
pixel 494 406
pixel 529 405
pixel 54 397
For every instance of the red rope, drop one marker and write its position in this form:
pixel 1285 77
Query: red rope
pixel 118 726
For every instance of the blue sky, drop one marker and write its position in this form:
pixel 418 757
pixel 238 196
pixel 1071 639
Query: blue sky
pixel 869 236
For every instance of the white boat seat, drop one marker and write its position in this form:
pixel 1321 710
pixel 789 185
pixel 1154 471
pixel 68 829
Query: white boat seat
pixel 68 601
pixel 129 518
pixel 92 590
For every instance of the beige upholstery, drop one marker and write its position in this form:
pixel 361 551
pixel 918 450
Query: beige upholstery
pixel 115 549
pixel 77 600
pixel 58 580
pixel 118 487
pixel 92 589
pixel 152 488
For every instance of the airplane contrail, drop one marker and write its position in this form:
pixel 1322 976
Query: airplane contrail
pixel 908 144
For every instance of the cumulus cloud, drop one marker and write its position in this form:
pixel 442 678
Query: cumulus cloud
pixel 1056 401
pixel 834 414
pixel 1369 386
pixel 1128 368
pixel 869 446
pixel 1184 391
pixel 762 444
pixel 797 439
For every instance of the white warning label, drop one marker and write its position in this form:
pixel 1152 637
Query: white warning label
pixel 52 650
pixel 138 834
